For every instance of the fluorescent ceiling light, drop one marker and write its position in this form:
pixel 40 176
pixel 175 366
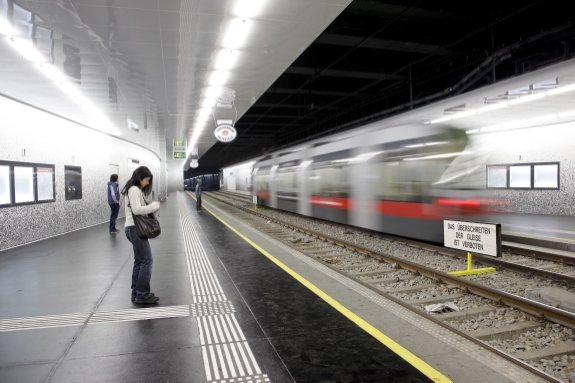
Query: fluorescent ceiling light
pixel 249 8
pixel 236 34
pixel 503 104
pixel 414 146
pixel 560 90
pixel 525 99
pixel 435 156
pixel 435 143
pixel 207 103
pixel 442 119
pixel 28 51
pixel 305 164
pixel 547 117
pixel 52 73
pixel 489 108
pixel 5 27
pixel 211 92
pixel 70 89
pixel 226 60
pixel 203 113
pixel 566 114
pixel 218 78
pixel 463 114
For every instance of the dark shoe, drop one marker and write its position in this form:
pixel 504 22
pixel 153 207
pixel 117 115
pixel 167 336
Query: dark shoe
pixel 134 297
pixel 114 231
pixel 150 299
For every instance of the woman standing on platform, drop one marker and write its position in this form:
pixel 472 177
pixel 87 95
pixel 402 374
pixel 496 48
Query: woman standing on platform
pixel 136 191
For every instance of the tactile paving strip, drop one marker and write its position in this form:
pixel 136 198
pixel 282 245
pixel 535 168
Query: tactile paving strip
pixel 212 308
pixel 226 353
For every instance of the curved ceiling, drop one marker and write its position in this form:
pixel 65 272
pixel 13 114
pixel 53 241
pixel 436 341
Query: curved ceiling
pixel 153 70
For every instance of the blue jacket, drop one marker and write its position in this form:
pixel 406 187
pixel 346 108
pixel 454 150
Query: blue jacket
pixel 198 190
pixel 113 193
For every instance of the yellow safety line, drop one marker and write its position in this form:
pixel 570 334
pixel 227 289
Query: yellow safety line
pixel 416 362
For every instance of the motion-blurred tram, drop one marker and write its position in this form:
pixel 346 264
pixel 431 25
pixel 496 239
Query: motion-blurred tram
pixel 402 180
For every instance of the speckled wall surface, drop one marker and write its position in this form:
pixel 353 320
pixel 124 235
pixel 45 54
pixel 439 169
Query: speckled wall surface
pixel 551 143
pixel 52 140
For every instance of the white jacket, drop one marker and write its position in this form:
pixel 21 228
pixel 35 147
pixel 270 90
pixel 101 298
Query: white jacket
pixel 137 203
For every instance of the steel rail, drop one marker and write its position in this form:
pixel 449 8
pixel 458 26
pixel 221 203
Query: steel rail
pixel 439 276
pixel 535 308
pixel 554 257
pixel 484 259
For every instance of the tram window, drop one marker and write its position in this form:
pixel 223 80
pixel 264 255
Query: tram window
pixel 288 179
pixel 331 181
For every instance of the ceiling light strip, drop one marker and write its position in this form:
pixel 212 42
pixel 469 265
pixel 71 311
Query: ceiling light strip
pixel 501 105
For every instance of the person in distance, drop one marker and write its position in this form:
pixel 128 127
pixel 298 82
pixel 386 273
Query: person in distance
pixel 114 202
pixel 199 196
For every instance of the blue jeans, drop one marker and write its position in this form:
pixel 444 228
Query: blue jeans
pixel 143 261
pixel 115 207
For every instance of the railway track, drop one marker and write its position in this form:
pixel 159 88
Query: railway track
pixel 506 323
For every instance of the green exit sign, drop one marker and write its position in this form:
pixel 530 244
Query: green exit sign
pixel 180 142
pixel 180 155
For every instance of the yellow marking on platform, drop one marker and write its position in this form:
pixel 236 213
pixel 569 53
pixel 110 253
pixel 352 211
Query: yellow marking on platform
pixel 416 362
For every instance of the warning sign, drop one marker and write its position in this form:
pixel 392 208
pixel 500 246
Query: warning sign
pixel 475 237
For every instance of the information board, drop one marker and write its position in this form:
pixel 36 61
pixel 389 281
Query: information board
pixel 45 182
pixel 474 237
pixel 255 199
pixel 23 184
pixel 5 194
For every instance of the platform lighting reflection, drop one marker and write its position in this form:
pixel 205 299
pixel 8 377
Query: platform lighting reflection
pixel 435 156
pixel 503 104
pixel 249 8
pixel 237 33
pixel 226 60
pixel 218 78
pixel 29 52
pixel 523 123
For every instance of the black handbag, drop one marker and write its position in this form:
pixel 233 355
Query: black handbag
pixel 147 226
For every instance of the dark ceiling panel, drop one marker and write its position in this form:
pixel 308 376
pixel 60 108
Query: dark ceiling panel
pixel 359 68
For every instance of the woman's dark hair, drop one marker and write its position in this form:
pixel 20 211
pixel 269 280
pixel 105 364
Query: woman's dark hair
pixel 139 174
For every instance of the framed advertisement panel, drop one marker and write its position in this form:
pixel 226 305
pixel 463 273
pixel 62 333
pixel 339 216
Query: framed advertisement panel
pixel 24 183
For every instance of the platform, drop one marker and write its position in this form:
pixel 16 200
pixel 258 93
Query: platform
pixel 234 306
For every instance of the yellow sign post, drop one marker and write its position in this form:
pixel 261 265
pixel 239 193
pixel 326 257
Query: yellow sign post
pixel 470 270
